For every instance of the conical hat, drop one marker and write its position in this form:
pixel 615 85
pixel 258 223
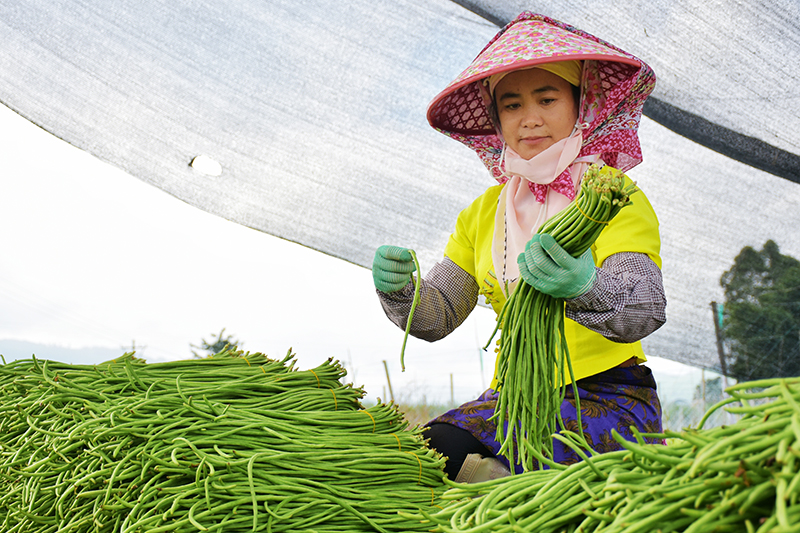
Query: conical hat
pixel 614 86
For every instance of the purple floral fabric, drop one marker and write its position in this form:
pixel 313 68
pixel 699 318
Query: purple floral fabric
pixel 615 399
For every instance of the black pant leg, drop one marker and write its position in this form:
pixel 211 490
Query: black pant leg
pixel 454 443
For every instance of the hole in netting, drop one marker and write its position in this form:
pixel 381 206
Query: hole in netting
pixel 206 165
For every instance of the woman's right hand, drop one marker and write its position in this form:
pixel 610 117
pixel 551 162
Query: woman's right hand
pixel 392 268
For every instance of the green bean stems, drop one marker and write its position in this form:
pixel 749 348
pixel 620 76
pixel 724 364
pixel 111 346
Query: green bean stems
pixel 237 442
pixel 744 477
pixel 534 367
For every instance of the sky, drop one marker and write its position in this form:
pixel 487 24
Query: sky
pixel 96 262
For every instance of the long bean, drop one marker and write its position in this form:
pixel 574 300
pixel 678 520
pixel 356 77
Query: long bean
pixel 417 284
pixel 534 366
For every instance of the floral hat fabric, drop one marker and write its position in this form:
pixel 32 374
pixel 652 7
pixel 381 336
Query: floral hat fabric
pixel 614 87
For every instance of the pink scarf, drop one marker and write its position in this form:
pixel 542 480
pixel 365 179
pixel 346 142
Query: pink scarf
pixel 536 189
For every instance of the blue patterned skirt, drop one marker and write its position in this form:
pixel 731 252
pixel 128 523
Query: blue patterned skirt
pixel 614 399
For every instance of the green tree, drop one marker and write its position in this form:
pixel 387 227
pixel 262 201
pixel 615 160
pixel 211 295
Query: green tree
pixel 762 314
pixel 216 345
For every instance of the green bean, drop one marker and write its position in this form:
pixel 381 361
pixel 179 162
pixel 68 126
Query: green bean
pixel 417 283
pixel 533 361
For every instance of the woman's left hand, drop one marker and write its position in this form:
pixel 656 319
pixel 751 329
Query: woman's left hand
pixel 552 270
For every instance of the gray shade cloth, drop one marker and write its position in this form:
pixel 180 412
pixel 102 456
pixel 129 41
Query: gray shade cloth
pixel 315 112
pixel 727 71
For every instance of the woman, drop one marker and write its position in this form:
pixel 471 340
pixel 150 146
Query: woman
pixel 539 104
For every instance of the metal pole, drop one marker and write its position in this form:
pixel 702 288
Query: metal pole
pixel 452 396
pixel 718 334
pixel 388 380
pixel 703 379
pixel 720 350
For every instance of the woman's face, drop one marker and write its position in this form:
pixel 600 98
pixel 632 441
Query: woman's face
pixel 536 109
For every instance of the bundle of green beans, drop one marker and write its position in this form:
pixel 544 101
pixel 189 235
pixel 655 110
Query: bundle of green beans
pixel 744 477
pixel 237 442
pixel 533 367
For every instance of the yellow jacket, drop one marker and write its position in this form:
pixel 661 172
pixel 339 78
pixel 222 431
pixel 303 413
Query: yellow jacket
pixel 634 229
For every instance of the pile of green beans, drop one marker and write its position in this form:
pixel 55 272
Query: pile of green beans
pixel 534 367
pixel 236 442
pixel 744 477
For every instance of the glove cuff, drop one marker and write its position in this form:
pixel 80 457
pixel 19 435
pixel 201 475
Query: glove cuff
pixel 586 287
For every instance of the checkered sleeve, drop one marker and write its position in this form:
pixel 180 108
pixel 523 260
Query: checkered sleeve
pixel 448 295
pixel 626 302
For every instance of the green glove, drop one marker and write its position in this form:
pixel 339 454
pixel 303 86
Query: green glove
pixel 552 270
pixel 392 268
